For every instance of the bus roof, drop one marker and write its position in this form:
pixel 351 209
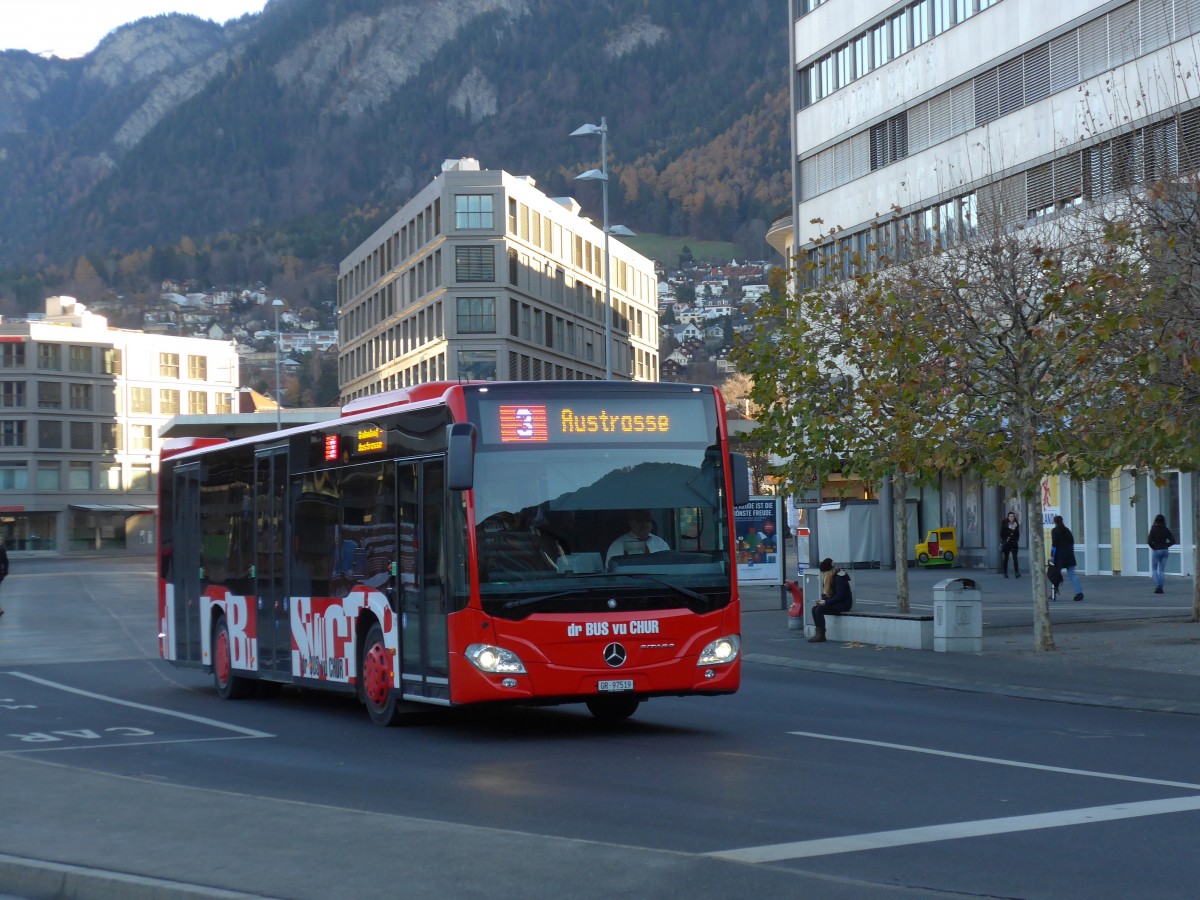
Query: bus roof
pixel 426 394
pixel 401 396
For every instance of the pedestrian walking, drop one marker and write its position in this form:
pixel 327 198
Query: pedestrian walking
pixel 1160 540
pixel 1010 541
pixel 1062 553
pixel 3 566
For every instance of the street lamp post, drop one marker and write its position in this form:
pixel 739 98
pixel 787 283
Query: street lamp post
pixel 276 303
pixel 601 175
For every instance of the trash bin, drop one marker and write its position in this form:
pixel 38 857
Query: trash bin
pixel 957 616
pixel 810 582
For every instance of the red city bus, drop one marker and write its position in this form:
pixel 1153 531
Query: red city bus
pixel 460 543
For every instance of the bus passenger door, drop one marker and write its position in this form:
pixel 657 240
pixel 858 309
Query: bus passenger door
pixel 420 499
pixel 273 626
pixel 185 562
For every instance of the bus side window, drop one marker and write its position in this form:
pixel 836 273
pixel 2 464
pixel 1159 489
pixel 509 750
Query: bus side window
pixel 691 525
pixel 315 518
pixel 226 525
pixel 366 537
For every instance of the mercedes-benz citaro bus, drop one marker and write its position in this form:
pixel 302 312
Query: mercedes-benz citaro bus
pixel 462 543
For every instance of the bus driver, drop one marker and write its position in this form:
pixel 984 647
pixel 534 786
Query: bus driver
pixel 638 540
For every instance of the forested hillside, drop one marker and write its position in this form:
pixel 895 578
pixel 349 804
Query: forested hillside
pixel 292 133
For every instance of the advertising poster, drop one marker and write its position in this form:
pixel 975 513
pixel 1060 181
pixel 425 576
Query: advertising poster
pixel 759 549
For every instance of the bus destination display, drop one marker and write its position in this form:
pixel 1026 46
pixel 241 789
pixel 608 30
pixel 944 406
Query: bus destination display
pixel 594 422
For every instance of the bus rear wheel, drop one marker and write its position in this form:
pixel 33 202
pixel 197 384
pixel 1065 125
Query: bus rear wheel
pixel 611 709
pixel 375 680
pixel 229 686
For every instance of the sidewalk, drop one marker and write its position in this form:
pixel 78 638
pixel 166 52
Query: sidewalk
pixel 1122 646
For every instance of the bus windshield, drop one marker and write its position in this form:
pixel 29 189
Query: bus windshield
pixel 566 529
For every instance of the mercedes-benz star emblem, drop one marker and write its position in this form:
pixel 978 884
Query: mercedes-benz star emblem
pixel 614 655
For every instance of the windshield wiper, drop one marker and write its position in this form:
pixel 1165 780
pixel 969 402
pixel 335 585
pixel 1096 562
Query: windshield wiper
pixel 530 601
pixel 687 592
pixel 533 601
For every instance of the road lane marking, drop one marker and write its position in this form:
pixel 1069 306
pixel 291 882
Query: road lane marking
pixel 880 840
pixel 200 720
pixel 26 751
pixel 981 828
pixel 970 757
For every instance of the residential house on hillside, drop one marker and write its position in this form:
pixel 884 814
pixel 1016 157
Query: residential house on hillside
pixel 678 357
pixel 307 340
pixel 689 332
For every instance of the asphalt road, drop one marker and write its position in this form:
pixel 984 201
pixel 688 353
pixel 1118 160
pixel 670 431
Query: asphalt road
pixel 803 784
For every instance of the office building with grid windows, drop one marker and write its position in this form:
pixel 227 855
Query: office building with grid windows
pixel 81 408
pixel 482 276
pixel 934 120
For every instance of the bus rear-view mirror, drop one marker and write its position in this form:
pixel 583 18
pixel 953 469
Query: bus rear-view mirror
pixel 460 456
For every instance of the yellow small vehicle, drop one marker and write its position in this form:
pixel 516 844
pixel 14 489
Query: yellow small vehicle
pixel 939 549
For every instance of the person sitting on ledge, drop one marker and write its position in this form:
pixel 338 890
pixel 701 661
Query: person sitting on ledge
pixel 836 597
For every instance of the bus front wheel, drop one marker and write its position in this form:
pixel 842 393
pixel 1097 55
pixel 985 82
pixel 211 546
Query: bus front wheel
pixel 610 709
pixel 229 686
pixel 375 680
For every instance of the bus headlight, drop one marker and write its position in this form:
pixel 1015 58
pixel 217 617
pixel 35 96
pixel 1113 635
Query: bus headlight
pixel 722 650
pixel 495 660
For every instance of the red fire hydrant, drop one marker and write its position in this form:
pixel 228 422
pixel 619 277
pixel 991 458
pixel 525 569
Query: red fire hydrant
pixel 796 610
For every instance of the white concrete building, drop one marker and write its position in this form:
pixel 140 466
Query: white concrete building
pixel 942 117
pixel 952 110
pixel 81 408
pixel 482 276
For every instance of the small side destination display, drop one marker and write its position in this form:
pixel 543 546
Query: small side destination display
pixel 369 440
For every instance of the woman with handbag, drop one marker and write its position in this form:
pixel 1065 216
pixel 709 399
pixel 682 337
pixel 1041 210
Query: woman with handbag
pixel 1010 541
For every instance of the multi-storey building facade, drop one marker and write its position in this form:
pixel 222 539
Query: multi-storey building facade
pixel 927 120
pixel 81 407
pixel 482 276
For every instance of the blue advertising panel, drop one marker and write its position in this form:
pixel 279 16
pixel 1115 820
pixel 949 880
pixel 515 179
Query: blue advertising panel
pixel 759 533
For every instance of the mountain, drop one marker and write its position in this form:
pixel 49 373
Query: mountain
pixel 316 118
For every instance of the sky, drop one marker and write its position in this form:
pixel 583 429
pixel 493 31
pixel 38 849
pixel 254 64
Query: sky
pixel 70 28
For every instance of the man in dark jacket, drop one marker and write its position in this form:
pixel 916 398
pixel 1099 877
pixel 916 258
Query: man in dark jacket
pixel 3 566
pixel 1062 553
pixel 1160 540
pixel 836 597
